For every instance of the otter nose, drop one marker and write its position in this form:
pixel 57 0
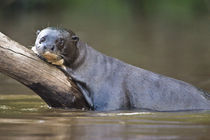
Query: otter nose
pixel 52 48
pixel 48 48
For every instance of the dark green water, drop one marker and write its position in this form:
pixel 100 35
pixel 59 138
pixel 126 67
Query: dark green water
pixel 173 42
pixel 27 117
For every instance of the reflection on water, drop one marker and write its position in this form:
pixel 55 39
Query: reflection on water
pixel 27 117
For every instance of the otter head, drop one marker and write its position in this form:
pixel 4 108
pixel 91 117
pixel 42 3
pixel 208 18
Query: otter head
pixel 57 46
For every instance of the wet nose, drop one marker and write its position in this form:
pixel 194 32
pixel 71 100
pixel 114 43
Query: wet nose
pixel 49 47
pixel 52 48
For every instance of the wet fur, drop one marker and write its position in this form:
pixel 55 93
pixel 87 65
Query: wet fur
pixel 110 84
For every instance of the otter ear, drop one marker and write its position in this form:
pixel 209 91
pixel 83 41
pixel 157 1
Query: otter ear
pixel 37 32
pixel 75 38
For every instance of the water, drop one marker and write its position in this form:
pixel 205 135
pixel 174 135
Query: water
pixel 176 48
pixel 27 117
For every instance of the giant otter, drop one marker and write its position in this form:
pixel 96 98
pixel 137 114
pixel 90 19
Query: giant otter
pixel 110 84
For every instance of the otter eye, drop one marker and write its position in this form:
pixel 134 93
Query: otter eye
pixel 42 40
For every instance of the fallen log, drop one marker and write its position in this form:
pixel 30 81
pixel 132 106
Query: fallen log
pixel 46 80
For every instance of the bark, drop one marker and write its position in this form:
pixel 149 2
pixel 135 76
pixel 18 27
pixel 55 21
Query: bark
pixel 46 80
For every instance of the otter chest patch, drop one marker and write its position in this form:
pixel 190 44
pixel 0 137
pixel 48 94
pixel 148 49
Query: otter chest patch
pixel 53 58
pixel 50 57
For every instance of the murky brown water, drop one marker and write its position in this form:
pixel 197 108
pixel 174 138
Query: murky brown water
pixel 178 49
pixel 27 117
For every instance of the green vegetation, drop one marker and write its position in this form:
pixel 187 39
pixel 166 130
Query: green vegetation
pixel 173 9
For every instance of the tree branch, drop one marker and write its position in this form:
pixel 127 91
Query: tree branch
pixel 50 83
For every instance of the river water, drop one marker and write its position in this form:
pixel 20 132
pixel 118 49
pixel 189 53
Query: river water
pixel 179 49
pixel 27 117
